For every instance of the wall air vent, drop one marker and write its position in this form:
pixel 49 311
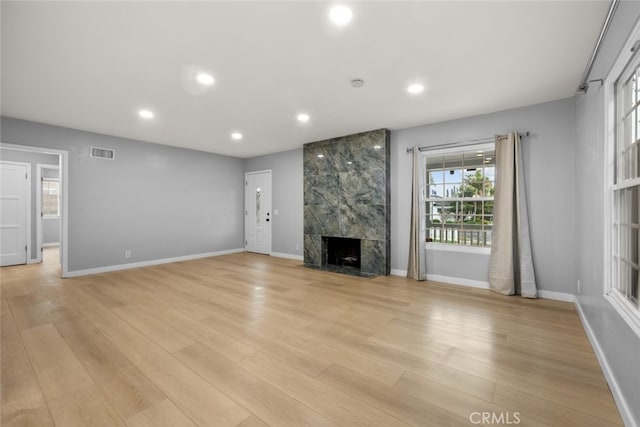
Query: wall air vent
pixel 102 153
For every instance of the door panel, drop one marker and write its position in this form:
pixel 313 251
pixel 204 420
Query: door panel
pixel 258 217
pixel 13 214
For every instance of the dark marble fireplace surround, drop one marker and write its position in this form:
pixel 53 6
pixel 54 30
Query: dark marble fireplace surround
pixel 346 194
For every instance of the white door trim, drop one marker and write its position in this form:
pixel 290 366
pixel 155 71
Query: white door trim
pixel 64 205
pixel 27 166
pixel 246 175
pixel 39 216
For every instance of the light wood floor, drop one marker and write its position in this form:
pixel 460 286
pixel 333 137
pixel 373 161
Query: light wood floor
pixel 250 340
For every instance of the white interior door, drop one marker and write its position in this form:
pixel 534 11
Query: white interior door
pixel 258 216
pixel 14 192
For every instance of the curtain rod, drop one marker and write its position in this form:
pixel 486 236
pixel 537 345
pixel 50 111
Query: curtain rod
pixel 465 142
pixel 584 80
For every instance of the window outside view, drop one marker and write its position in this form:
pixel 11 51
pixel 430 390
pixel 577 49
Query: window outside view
pixel 460 190
pixel 625 194
pixel 50 197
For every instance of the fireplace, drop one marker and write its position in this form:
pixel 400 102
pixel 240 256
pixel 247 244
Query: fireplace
pixel 341 253
pixel 347 226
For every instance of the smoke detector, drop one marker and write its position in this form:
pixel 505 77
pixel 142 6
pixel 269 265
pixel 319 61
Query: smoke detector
pixel 357 83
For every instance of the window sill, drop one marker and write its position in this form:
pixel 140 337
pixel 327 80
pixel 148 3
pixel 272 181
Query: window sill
pixel 625 309
pixel 51 217
pixel 443 247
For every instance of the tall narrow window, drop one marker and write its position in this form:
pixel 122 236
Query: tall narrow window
pixel 622 94
pixel 258 207
pixel 626 184
pixel 50 197
pixel 460 188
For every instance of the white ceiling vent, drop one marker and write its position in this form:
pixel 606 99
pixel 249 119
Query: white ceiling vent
pixel 102 153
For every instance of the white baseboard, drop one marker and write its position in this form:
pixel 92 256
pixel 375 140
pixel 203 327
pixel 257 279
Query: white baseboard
pixel 110 268
pixel 396 272
pixel 458 281
pixel 623 407
pixel 33 261
pixel 287 256
pixel 49 245
pixel 558 296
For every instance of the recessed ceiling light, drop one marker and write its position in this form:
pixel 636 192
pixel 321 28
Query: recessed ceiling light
pixel 205 79
pixel 415 88
pixel 302 117
pixel 377 147
pixel 320 156
pixel 236 136
pixel 340 15
pixel 357 82
pixel 146 114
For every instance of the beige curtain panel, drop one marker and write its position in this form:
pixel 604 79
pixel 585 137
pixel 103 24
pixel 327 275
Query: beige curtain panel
pixel 511 264
pixel 417 268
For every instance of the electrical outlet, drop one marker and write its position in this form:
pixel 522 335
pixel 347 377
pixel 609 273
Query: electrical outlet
pixel 127 253
pixel 579 286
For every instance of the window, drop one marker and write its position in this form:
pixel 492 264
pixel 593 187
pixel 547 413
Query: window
pixel 50 197
pixel 460 186
pixel 622 198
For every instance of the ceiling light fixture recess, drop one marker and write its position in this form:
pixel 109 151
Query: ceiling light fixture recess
pixel 236 136
pixel 415 88
pixel 340 15
pixel 303 117
pixel 357 83
pixel 146 114
pixel 205 79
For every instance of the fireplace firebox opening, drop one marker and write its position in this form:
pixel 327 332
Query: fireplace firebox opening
pixel 341 252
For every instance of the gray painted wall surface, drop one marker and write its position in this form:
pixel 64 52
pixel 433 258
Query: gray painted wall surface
pixel 549 170
pixel 620 345
pixel 50 230
pixel 461 265
pixel 34 159
pixel 287 198
pixel 158 201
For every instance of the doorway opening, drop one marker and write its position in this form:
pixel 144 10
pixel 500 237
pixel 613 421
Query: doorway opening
pixel 45 207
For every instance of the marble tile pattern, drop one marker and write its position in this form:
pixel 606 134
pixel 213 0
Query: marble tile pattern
pixel 346 194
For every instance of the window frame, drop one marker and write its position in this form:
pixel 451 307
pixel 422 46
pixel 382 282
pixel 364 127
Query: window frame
pixel 627 59
pixel 50 216
pixel 489 144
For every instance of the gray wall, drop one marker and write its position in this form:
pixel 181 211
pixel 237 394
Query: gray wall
pixel 620 345
pixel 287 198
pixel 158 201
pixel 34 159
pixel 50 231
pixel 549 168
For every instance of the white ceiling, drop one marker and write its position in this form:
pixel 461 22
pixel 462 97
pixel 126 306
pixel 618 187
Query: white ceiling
pixel 93 65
